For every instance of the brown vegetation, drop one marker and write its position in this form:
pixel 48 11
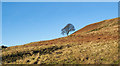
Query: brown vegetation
pixel 94 44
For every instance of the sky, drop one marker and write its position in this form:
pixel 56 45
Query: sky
pixel 25 22
pixel 60 0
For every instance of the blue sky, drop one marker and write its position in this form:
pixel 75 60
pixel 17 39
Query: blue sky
pixel 60 0
pixel 25 22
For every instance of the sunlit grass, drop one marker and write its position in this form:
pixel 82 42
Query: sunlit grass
pixel 95 47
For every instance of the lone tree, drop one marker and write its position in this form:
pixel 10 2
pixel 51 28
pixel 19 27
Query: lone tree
pixel 68 28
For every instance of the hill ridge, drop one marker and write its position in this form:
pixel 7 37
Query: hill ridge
pixel 96 43
pixel 95 24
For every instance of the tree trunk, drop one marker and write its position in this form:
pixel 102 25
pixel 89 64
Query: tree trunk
pixel 67 33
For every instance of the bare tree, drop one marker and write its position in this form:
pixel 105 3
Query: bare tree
pixel 68 28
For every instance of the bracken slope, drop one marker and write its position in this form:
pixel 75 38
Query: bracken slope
pixel 96 43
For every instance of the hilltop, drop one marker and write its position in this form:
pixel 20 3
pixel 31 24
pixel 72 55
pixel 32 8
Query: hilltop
pixel 96 43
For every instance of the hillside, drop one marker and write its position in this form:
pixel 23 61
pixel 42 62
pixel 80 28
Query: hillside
pixel 96 43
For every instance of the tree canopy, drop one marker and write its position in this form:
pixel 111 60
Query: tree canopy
pixel 68 28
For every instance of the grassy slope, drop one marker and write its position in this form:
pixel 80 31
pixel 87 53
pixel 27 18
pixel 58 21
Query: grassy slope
pixel 94 44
